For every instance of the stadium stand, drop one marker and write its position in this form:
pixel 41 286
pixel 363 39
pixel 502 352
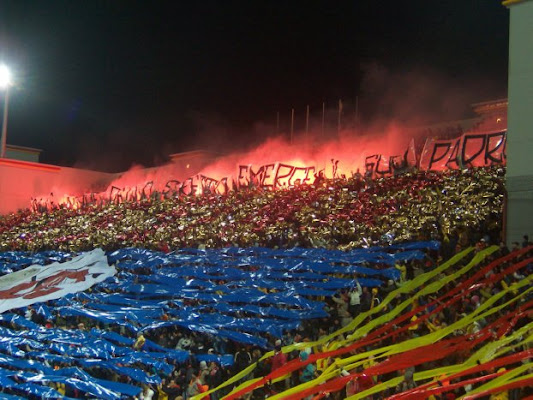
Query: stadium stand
pixel 351 288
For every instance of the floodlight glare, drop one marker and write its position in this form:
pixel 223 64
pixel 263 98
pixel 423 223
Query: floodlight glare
pixel 5 82
pixel 5 77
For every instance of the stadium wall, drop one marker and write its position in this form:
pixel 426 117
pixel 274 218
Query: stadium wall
pixel 20 181
pixel 519 178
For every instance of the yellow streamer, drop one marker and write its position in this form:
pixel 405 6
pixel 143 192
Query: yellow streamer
pixel 486 353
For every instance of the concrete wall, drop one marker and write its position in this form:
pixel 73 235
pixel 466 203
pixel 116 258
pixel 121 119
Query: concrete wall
pixel 519 179
pixel 21 180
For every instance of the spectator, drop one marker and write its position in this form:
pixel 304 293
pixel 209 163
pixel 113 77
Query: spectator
pixel 242 359
pixel 355 299
pixel 147 392
pixel 214 378
pixel 195 386
pixel 278 361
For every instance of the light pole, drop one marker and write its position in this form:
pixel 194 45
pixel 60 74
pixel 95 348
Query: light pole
pixel 5 82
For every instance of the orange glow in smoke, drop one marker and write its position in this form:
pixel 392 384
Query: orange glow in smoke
pixel 70 202
pixel 343 156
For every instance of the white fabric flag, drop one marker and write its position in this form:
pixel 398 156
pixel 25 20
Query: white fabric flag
pixel 38 283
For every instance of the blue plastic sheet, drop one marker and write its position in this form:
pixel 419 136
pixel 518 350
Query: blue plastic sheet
pixel 225 360
pixel 87 385
pixel 72 372
pixel 44 311
pixel 235 294
pixel 245 338
pixel 51 358
pixel 114 337
pixel 276 284
pixel 176 355
pixel 5 380
pixel 125 389
pixel 93 388
pixel 134 373
pixel 31 365
pixel 44 392
pixel 146 360
pixel 4 396
pixel 20 321
pixel 271 311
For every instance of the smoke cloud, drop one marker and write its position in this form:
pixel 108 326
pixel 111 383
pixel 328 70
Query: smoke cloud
pixel 389 112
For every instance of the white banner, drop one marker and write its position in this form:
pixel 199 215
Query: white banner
pixel 39 283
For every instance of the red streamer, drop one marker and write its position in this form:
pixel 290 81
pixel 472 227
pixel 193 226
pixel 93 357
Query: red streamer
pixel 415 356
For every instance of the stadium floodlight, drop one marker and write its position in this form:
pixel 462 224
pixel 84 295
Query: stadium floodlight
pixel 5 77
pixel 5 83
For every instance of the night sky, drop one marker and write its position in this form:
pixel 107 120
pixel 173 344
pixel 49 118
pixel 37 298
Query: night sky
pixel 104 84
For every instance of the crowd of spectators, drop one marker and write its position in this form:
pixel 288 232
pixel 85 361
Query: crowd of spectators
pixel 458 208
pixel 340 213
pixel 424 314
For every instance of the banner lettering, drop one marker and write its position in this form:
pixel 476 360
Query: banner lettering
pixel 466 151
pixel 379 166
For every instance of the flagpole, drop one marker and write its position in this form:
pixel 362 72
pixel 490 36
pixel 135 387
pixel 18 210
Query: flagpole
pixel 339 117
pixel 323 116
pixel 356 113
pixel 307 121
pixel 292 124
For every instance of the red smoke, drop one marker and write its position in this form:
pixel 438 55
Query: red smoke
pixel 349 149
pixel 408 99
pixel 308 150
